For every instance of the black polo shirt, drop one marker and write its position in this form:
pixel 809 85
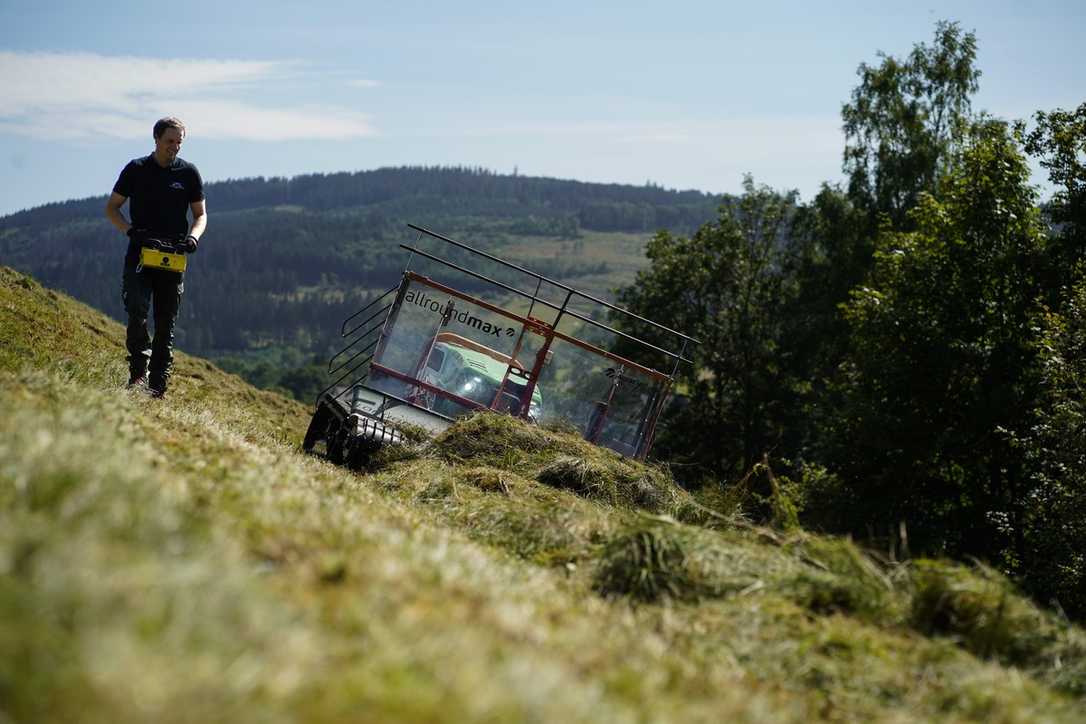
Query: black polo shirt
pixel 159 198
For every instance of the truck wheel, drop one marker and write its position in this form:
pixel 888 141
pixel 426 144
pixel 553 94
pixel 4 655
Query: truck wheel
pixel 357 456
pixel 318 428
pixel 336 440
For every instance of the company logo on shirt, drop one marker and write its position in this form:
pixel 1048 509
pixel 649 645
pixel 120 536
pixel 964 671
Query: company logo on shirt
pixel 177 185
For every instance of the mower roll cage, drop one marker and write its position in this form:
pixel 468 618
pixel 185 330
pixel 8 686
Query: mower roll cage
pixel 421 392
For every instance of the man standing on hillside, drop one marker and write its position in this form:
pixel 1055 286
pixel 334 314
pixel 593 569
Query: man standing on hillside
pixel 163 189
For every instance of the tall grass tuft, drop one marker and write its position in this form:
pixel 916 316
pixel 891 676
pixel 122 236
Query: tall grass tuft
pixel 981 610
pixel 502 441
pixel 647 562
pixel 613 481
pixel 840 578
pixel 654 557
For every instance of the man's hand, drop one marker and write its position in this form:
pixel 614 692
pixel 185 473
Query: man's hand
pixel 190 244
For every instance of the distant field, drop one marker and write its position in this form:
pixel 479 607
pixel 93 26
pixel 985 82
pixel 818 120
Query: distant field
pixel 623 253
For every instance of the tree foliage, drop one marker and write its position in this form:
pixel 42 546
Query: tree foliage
pixel 831 254
pixel 1053 563
pixel 899 125
pixel 911 350
pixel 941 367
pixel 725 285
pixel 1059 141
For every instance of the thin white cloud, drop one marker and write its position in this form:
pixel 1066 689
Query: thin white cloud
pixel 363 83
pixel 230 119
pixel 781 129
pixel 745 142
pixel 81 95
pixel 785 151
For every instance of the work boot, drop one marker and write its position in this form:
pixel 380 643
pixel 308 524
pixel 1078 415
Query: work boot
pixel 157 388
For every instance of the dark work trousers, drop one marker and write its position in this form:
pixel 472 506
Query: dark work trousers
pixel 140 289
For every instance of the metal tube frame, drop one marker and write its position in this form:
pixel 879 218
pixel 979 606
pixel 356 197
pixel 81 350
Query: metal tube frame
pixel 558 284
pixel 529 323
pixel 563 310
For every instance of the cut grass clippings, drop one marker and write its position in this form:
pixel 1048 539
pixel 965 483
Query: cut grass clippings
pixel 182 561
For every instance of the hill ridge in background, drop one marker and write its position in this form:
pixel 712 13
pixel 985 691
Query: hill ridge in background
pixel 285 260
pixel 184 560
pixel 325 191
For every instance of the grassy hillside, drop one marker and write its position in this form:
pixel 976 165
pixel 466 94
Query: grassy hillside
pixel 180 560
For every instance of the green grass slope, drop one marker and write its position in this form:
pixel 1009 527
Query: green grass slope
pixel 181 560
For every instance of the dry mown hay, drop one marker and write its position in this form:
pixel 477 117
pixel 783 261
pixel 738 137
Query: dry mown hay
pixel 655 558
pixel 488 480
pixel 617 482
pixel 979 607
pixel 647 563
pixel 982 610
pixel 840 578
pixel 492 438
pixel 561 460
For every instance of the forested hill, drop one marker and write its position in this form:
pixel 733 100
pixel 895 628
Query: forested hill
pixel 284 260
pixel 425 190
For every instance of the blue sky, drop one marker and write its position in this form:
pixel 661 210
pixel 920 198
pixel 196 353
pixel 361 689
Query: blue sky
pixel 682 94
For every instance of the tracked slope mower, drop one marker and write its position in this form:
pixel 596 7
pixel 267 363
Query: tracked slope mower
pixel 457 339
